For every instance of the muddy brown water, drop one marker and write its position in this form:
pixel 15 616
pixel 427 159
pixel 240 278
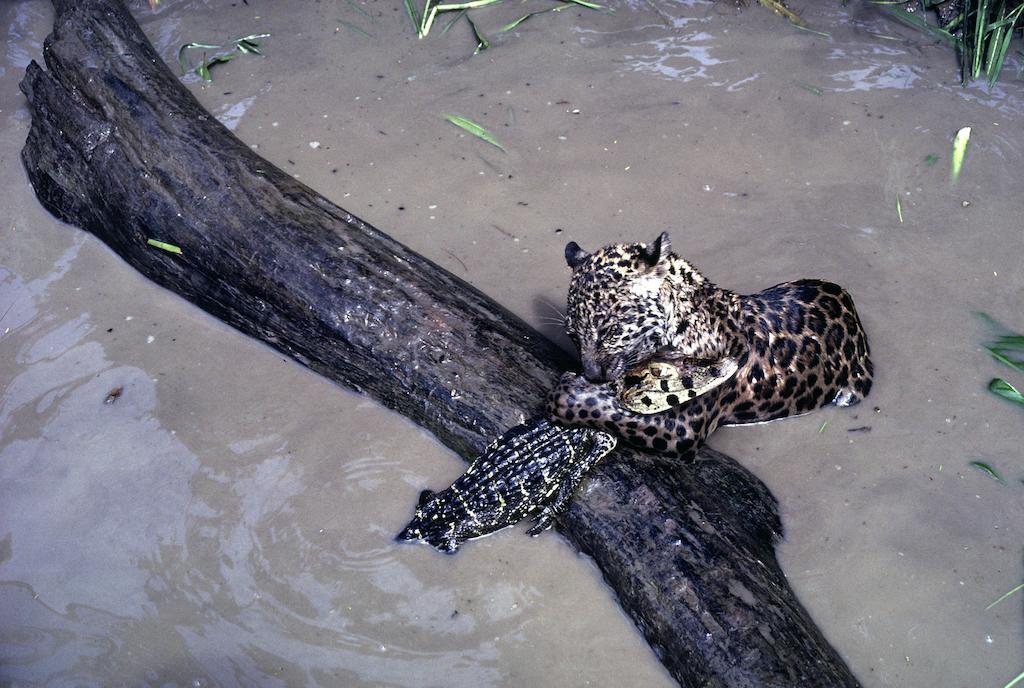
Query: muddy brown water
pixel 227 519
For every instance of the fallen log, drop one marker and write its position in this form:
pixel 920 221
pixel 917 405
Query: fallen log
pixel 118 147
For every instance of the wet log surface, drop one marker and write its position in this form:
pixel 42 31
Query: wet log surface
pixel 121 149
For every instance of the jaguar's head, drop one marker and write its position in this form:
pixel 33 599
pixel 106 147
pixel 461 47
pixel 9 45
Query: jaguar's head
pixel 620 305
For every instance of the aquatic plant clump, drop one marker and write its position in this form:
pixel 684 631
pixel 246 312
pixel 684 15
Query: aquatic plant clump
pixel 980 30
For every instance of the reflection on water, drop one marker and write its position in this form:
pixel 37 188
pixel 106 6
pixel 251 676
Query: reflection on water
pixel 187 563
pixel 203 562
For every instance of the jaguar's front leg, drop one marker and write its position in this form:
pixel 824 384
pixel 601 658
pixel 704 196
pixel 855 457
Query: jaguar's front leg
pixel 675 432
pixel 575 401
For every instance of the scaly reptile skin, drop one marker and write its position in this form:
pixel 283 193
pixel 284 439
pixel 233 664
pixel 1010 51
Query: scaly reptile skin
pixel 532 469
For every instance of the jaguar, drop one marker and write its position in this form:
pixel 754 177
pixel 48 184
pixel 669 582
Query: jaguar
pixel 790 348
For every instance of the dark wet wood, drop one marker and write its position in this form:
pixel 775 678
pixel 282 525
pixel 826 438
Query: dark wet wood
pixel 118 147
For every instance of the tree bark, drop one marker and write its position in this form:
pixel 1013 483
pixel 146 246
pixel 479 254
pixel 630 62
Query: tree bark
pixel 118 147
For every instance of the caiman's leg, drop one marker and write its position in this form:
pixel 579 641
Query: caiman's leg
pixel 675 432
pixel 601 444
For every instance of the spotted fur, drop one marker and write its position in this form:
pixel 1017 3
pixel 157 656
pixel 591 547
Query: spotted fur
pixel 798 345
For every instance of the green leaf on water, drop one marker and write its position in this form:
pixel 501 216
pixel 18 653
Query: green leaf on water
pixel 989 471
pixel 921 24
pixel 431 11
pixel 251 37
pixel 413 17
pixel 1007 391
pixel 1015 363
pixel 245 45
pixel 1007 348
pixel 481 42
pixel 248 47
pixel 203 70
pixel 360 10
pixel 810 88
pixel 474 129
pixel 814 31
pixel 931 159
pixel 457 17
pixel 352 27
pixel 513 24
pixel 959 150
pixel 591 5
pixel 170 248
pixel 1005 595
pixel 183 59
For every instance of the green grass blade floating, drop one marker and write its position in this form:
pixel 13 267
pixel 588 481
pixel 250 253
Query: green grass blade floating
pixel 474 4
pixel 1011 684
pixel 1000 355
pixel 252 37
pixel 899 208
pixel 1005 595
pixel 1002 388
pixel 825 34
pixel 959 150
pixel 353 28
pixel 457 17
pixel 248 44
pixel 481 41
pixel 810 88
pixel 248 47
pixel 590 5
pixel 516 22
pixel 413 17
pixel 778 8
pixel 989 471
pixel 474 129
pixel 1007 348
pixel 428 19
pixel 170 248
pixel 204 71
pixel 183 62
pixel 513 24
pixel 954 22
pixel 359 9
pixel 922 25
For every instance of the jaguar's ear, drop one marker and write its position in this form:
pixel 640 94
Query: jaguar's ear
pixel 658 251
pixel 574 255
